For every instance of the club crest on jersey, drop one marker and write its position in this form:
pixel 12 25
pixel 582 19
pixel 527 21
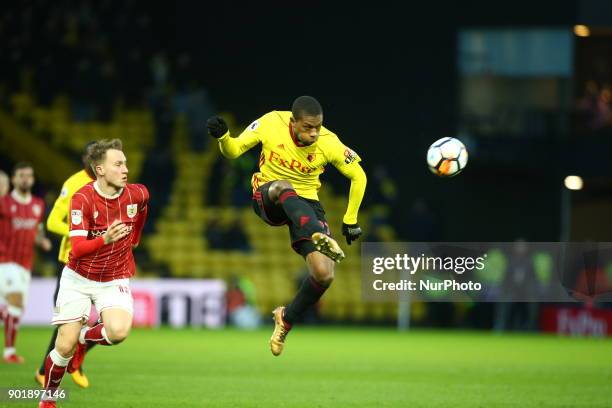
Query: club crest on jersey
pixel 36 210
pixel 349 156
pixel 95 214
pixel 132 209
pixel 311 157
pixel 76 216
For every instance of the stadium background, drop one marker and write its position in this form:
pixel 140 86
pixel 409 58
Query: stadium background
pixel 390 83
pixel 390 80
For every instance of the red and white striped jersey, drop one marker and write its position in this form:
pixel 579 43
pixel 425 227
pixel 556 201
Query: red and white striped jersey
pixel 91 213
pixel 19 220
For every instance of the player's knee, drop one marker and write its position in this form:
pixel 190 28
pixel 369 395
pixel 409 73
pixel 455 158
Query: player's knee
pixel 277 187
pixel 65 349
pixel 322 273
pixel 67 338
pixel 117 333
pixel 65 344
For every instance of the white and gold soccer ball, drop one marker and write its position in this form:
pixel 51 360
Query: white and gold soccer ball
pixel 447 157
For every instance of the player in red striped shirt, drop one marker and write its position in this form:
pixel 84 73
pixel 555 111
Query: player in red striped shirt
pixel 20 228
pixel 5 185
pixel 106 221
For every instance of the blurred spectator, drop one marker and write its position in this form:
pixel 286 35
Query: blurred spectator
pixel 241 190
pixel 594 107
pixel 519 283
pixel 160 71
pixel 215 234
pixel 228 237
pixel 383 188
pixel 191 99
pixel 235 237
pixel 71 49
pixel 241 298
pixel 230 181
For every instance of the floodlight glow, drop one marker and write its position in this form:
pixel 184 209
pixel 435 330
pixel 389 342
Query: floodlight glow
pixel 582 30
pixel 573 182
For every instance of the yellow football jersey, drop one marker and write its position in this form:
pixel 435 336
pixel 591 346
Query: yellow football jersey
pixel 284 158
pixel 58 217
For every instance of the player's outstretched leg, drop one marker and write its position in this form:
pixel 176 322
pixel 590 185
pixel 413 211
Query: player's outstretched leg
pixel 12 316
pixel 303 216
pixel 57 360
pixel 77 374
pixel 321 275
pixel 39 376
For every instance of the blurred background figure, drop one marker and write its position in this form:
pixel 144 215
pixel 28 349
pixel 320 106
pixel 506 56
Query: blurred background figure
pixel 4 183
pixel 519 282
pixel 241 300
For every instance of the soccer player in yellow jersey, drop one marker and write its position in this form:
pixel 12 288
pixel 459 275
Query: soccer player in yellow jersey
pixel 295 149
pixel 57 222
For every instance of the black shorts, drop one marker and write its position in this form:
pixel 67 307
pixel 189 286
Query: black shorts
pixel 273 214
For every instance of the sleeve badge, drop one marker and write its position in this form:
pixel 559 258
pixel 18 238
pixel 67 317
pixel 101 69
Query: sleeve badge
pixel 349 156
pixel 76 217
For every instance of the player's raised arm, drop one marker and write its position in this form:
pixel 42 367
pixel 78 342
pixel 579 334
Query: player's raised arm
pixel 348 164
pixel 231 147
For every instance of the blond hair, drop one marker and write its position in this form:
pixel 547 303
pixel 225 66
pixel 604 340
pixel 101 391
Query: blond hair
pixel 96 152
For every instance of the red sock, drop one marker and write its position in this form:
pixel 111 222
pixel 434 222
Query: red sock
pixel 97 335
pixel 11 326
pixel 54 370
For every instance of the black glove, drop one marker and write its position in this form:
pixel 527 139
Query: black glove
pixel 351 232
pixel 216 126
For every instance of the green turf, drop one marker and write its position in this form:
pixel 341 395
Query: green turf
pixel 337 368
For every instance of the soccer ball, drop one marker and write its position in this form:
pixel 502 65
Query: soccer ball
pixel 447 157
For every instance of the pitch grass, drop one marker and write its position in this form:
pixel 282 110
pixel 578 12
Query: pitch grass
pixel 333 367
